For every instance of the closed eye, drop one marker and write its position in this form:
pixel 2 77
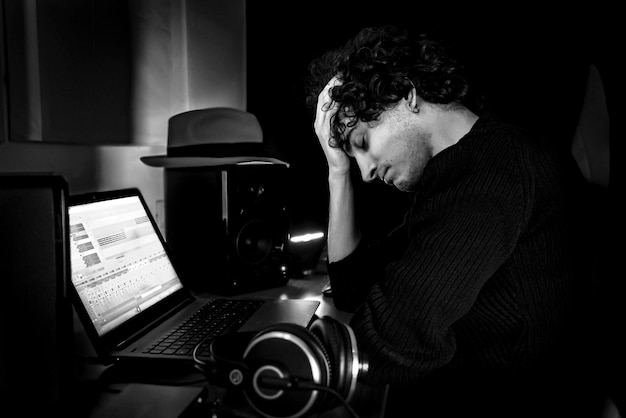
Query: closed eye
pixel 360 143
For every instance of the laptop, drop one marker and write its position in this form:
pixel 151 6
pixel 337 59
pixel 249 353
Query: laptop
pixel 128 295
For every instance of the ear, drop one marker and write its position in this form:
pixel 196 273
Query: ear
pixel 413 101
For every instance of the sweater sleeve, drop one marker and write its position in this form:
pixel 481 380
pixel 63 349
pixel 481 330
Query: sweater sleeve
pixel 352 278
pixel 457 238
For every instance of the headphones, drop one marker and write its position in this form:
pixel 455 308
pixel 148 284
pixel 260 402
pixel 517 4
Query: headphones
pixel 286 370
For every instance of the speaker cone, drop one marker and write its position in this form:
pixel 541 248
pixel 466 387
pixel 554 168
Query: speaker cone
pixel 254 242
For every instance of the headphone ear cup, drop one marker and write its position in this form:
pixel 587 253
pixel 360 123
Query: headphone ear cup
pixel 286 353
pixel 341 347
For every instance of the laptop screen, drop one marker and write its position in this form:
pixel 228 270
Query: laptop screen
pixel 119 266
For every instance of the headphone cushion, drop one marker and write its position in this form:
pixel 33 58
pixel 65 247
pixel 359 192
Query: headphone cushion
pixel 336 338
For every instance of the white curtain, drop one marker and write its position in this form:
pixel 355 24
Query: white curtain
pixel 190 55
pixel 114 71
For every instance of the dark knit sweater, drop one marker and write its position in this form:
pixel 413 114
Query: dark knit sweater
pixel 477 277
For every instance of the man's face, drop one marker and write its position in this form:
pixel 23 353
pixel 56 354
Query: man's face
pixel 395 148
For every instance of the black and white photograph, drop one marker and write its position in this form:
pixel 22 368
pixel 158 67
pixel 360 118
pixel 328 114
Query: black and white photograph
pixel 322 208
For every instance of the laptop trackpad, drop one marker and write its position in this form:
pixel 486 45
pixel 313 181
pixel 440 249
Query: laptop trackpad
pixel 295 311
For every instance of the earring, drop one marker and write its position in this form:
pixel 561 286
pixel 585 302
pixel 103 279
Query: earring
pixel 416 109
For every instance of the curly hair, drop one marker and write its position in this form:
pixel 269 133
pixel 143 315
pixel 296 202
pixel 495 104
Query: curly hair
pixel 379 67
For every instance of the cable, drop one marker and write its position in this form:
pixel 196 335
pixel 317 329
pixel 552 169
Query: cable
pixel 195 354
pixel 339 397
pixel 295 384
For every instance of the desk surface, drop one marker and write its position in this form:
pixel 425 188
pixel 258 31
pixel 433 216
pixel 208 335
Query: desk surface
pixel 112 392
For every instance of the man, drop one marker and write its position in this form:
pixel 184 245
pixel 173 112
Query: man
pixel 466 307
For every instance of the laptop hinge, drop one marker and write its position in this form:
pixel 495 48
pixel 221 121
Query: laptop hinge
pixel 154 323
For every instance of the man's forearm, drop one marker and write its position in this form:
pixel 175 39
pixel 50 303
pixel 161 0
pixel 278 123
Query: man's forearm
pixel 343 232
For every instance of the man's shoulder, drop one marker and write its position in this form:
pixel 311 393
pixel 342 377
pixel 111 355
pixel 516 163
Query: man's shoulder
pixel 502 140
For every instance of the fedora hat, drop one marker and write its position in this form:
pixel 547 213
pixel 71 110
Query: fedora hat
pixel 212 137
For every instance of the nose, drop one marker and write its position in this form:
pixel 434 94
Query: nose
pixel 367 168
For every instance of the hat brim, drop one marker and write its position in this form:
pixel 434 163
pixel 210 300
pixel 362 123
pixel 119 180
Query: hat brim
pixel 189 162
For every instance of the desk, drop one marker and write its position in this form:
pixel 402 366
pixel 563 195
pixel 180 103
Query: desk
pixel 106 390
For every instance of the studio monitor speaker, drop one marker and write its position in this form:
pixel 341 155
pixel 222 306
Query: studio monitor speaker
pixel 227 228
pixel 35 314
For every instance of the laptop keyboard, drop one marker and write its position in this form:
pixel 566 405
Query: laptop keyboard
pixel 213 319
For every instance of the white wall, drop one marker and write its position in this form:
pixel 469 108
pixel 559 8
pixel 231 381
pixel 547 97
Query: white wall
pixel 202 64
pixel 88 168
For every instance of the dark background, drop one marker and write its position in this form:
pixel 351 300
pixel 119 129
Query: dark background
pixel 531 63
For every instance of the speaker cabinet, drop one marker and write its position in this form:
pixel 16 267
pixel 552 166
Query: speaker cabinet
pixel 227 228
pixel 35 314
